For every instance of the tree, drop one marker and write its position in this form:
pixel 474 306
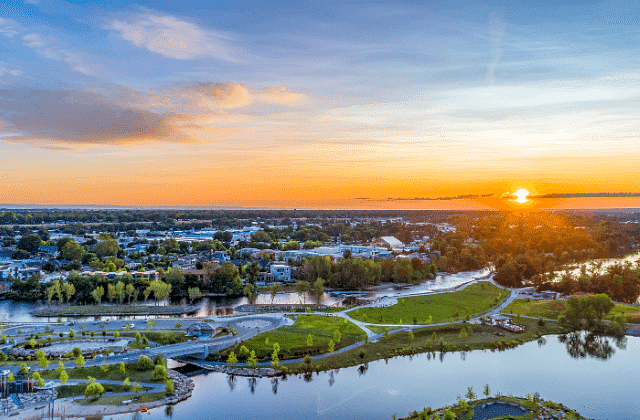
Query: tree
pixel 302 288
pixel 126 382
pixel 332 346
pixel 111 292
pixel 30 242
pixel 10 377
pixel 449 415
pixel 80 361
pixel 411 336
pixel 487 391
pixel 97 294
pixel 252 360
pixel 232 359
pixel 136 388
pixel 116 334
pixel 194 293
pixel 130 289
pixel 69 290
pixel 159 373
pixel 120 291
pixel 249 291
pixel 122 368
pixel 178 325
pixel 318 290
pixel 470 394
pixel 64 376
pixel 72 333
pixel 42 359
pixel 94 390
pixel 145 363
pixel 169 387
pixel 337 336
pixel 38 378
pixel 3 356
pixel 138 337
pixel 72 251
pixel 107 248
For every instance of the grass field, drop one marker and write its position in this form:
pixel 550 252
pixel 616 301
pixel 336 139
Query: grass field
pixel 78 389
pixel 161 337
pixel 293 340
pixel 52 311
pixel 112 374
pixel 552 309
pixel 379 329
pixel 481 337
pixel 475 299
pixel 118 400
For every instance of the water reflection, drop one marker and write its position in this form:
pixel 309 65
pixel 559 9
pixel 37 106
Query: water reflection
pixel 542 341
pixel 168 411
pixel 362 369
pixel 274 385
pixel 581 345
pixel 232 381
pixel 253 382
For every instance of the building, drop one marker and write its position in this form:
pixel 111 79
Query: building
pixel 280 271
pixel 388 242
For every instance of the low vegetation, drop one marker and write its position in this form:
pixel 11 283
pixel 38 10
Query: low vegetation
pixel 474 299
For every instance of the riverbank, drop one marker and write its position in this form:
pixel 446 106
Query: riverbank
pixel 499 407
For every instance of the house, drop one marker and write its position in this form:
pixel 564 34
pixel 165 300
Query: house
pixel 48 249
pixel 201 328
pixel 280 271
pixel 388 242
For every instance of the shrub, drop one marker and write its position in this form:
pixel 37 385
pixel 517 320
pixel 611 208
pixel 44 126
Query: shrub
pixel 169 388
pixel 145 363
pixel 159 372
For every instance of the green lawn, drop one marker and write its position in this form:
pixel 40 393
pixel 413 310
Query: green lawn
pixel 475 299
pixel 161 337
pixel 293 340
pixel 552 309
pixel 78 389
pixel 118 400
pixel 400 343
pixel 378 329
pixel 108 309
pixel 112 374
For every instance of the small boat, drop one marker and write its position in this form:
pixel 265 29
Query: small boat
pixel 144 410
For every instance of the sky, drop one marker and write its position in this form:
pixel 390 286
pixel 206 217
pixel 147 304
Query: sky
pixel 319 104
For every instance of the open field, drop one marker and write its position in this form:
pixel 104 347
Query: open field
pixel 118 400
pixel 475 299
pixel 78 389
pixel 293 339
pixel 112 374
pixel 447 338
pixel 552 309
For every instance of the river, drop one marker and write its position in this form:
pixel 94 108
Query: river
pixel 597 387
pixel 21 311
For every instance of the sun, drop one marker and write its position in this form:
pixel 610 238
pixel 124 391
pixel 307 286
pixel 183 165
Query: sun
pixel 521 195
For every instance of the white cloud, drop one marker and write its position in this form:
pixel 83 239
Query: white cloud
pixel 171 37
pixel 9 28
pixel 45 48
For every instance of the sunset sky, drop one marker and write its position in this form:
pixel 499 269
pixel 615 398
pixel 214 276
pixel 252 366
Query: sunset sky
pixel 318 103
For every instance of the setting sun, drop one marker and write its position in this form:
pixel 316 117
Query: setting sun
pixel 521 196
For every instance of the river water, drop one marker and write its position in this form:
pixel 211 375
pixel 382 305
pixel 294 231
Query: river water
pixel 602 387
pixel 21 311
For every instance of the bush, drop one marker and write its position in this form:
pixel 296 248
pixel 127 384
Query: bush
pixel 94 390
pixel 169 388
pixel 159 373
pixel 145 363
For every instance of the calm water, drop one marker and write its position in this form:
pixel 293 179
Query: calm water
pixel 595 387
pixel 21 311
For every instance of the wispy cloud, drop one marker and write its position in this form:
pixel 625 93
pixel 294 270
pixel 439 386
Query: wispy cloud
pixel 174 38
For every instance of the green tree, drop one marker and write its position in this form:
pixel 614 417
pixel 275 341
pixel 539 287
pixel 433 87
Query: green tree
pixel 80 361
pixel 144 363
pixel 252 360
pixel 194 293
pixel 120 291
pixel 107 248
pixel 169 387
pixel 126 382
pixel 449 415
pixel 122 368
pixel 3 356
pixel 318 290
pixel 274 290
pixel 302 288
pixel 135 388
pixel 138 337
pixel 159 373
pixel 42 359
pixel 72 333
pixel 470 394
pixel 97 294
pixel 411 336
pixel 337 336
pixel 69 290
pixel 130 289
pixel 72 251
pixel 332 346
pixel 38 378
pixel 10 377
pixel 93 390
pixel 487 391
pixel 24 369
pixel 64 376
pixel 104 367
pixel 232 359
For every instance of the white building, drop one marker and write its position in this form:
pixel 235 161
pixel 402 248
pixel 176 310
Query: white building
pixel 281 272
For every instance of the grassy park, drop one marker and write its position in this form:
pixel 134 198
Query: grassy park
pixel 475 299
pixel 293 340
pixel 552 309
pixel 447 338
pixel 111 374
pixel 106 310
